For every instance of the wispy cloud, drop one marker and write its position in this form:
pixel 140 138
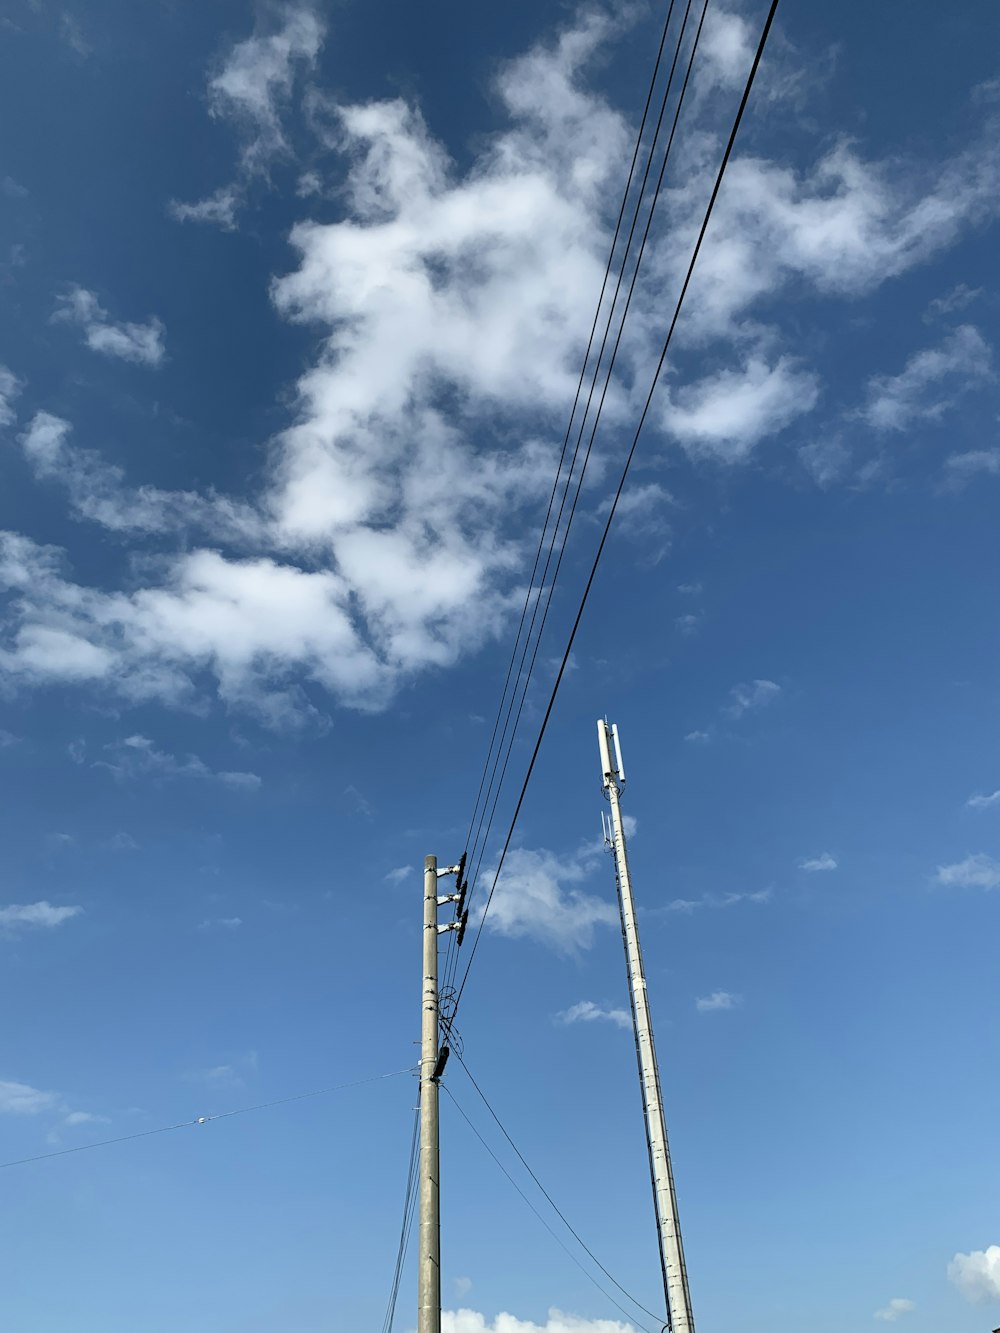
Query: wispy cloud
pixel 975 872
pixel 221 923
pixel 717 1001
pixel 27 916
pixel 896 1308
pixel 10 387
pixel 983 802
pixel 690 623
pixel 251 91
pixel 538 897
pixel 586 1011
pixel 142 343
pixel 957 299
pixel 961 468
pixel 23 1100
pixel 717 900
pixel 725 415
pixel 931 382
pixel 748 698
pixel 977 1275
pixel 400 874
pixel 137 756
pixel 219 209
pixel 825 861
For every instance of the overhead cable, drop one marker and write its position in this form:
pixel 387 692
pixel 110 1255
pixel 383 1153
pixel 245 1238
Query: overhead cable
pixel 624 474
pixel 552 1203
pixel 554 1234
pixel 206 1119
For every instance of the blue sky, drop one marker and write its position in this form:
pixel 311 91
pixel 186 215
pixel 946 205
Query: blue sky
pixel 294 301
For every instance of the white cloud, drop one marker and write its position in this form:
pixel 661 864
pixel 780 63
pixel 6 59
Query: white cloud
pixel 98 491
pixel 717 900
pixel 142 343
pixel 137 756
pixel 219 209
pixel 747 698
pixel 470 1321
pixel 75 1118
pixel 982 802
pixel 962 467
pixel 688 624
pixel 931 381
pixel 399 874
pixel 256 79
pixel 10 387
pixel 252 90
pixel 726 414
pixel 221 923
pixel 20 1099
pixel 975 872
pixel 718 1000
pixel 19 915
pixel 461 1286
pixel 384 540
pixel 897 1307
pixel 825 861
pixel 123 842
pixel 698 737
pixel 586 1011
pixel 957 299
pixel 537 898
pixel 977 1275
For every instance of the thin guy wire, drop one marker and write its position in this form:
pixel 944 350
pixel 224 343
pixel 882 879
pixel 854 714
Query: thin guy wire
pixel 404 1231
pixel 555 1207
pixel 583 422
pixel 555 1236
pixel 569 427
pixel 625 471
pixel 205 1119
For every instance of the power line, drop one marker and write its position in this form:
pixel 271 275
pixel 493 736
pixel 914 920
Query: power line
pixel 409 1207
pixel 607 379
pixel 550 591
pixel 452 965
pixel 625 471
pixel 555 1236
pixel 205 1119
pixel 569 426
pixel 552 1203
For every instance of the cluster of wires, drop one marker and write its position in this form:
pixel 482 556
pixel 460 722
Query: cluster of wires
pixel 601 352
pixel 569 479
pixel 409 1210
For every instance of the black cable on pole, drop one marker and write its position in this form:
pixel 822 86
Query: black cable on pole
pixel 555 1236
pixel 409 1201
pixel 625 471
pixel 552 1203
